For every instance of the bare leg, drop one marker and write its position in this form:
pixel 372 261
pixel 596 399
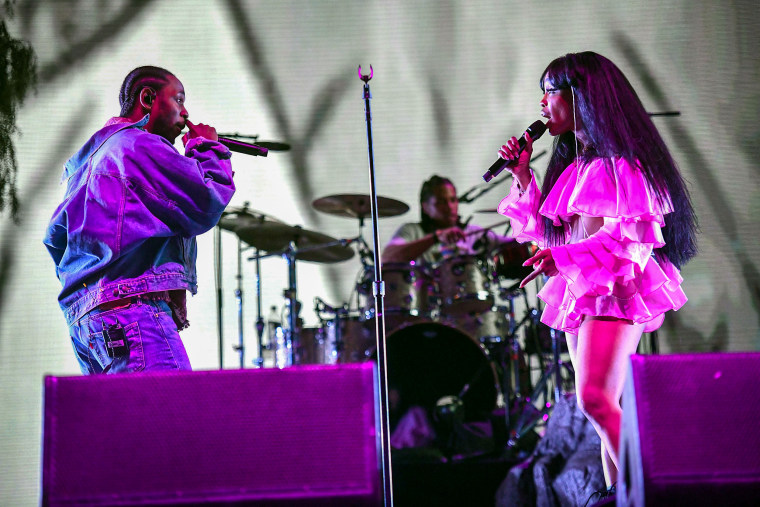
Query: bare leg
pixel 610 474
pixel 602 350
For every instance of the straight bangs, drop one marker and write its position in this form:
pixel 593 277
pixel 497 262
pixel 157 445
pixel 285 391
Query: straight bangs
pixel 557 74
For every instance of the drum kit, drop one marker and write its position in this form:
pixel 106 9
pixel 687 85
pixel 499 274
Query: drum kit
pixel 450 326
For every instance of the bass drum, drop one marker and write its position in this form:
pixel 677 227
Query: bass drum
pixel 427 361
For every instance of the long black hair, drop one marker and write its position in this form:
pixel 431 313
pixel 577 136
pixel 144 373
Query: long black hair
pixel 141 77
pixel 616 124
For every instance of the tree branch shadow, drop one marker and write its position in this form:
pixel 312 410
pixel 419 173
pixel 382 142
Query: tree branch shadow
pixel 704 177
pixel 8 251
pixel 322 111
pixel 75 53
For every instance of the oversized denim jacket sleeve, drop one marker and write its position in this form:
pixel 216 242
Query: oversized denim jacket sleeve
pixel 132 209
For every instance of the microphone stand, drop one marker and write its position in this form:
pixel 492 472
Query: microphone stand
pixel 378 290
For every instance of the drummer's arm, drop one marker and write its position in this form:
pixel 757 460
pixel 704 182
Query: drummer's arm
pixel 400 250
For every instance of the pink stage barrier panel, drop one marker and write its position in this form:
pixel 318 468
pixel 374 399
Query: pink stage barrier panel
pixel 304 435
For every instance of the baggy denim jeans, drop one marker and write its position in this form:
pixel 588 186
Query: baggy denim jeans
pixel 150 330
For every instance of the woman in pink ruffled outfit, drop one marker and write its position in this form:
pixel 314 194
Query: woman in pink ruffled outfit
pixel 614 222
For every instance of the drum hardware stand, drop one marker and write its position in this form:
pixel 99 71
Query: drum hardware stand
pixel 292 337
pixel 240 347
pixel 341 315
pixel 450 411
pixel 259 361
pixel 290 253
pixel 291 334
pixel 531 416
pixel 378 290
pixel 507 351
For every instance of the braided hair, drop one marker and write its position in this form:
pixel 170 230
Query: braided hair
pixel 140 78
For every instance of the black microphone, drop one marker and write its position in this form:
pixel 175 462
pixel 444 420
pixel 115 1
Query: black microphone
pixel 536 130
pixel 241 147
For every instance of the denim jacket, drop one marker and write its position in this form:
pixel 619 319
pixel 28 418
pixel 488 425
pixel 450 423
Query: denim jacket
pixel 132 209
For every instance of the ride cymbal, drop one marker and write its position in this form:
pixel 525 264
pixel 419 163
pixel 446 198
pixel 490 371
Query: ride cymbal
pixel 358 206
pixel 310 245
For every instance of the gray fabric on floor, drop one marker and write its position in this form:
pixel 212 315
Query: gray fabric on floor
pixel 565 468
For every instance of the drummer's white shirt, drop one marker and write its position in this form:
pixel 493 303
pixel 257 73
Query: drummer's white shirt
pixel 477 241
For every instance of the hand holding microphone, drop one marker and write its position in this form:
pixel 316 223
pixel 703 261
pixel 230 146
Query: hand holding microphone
pixel 199 130
pixel 515 155
pixel 209 132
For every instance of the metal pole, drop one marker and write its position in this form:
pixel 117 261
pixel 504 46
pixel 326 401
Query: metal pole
pixel 378 290
pixel 219 324
pixel 239 297
pixel 259 361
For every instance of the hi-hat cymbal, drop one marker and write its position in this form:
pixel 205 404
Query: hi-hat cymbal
pixel 237 218
pixel 358 206
pixel 271 236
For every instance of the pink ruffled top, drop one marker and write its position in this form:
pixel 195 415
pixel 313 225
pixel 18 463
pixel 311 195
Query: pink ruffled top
pixel 613 222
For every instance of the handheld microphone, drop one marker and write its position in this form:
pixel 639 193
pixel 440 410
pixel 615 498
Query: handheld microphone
pixel 241 147
pixel 536 130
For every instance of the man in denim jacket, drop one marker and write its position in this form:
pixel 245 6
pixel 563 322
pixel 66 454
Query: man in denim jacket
pixel 123 239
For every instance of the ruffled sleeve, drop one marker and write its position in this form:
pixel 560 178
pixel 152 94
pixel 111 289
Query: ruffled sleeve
pixel 605 263
pixel 521 208
pixel 604 188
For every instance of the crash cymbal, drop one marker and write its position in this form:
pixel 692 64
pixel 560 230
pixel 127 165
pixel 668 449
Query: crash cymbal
pixel 237 218
pixel 488 210
pixel 272 236
pixel 358 206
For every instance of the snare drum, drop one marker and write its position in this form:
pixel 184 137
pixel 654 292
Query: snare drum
pixel 464 285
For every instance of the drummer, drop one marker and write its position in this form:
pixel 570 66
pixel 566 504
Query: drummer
pixel 439 234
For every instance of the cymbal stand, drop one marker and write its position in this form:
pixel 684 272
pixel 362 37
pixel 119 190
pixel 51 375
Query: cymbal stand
pixel 259 361
pixel 240 347
pixel 290 253
pixel 292 337
pixel 378 290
